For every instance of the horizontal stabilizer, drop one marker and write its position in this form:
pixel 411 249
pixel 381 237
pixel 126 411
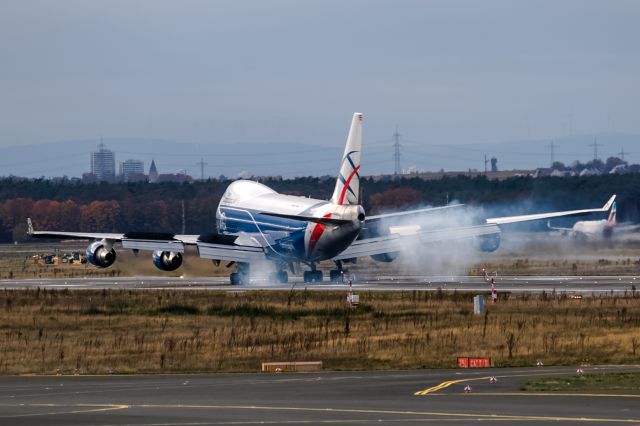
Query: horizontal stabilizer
pixel 325 220
pixel 412 212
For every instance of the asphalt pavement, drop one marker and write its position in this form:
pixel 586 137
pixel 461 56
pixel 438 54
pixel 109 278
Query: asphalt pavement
pixel 390 397
pixel 583 285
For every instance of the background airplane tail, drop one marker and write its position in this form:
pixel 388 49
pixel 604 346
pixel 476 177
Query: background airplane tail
pixel 348 184
pixel 611 221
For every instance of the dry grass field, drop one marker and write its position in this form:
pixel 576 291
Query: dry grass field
pixel 121 331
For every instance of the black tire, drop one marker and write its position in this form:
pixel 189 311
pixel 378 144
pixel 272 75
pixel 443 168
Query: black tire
pixel 317 276
pixel 235 279
pixel 335 276
pixel 283 277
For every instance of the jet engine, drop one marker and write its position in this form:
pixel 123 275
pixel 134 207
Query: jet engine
pixel 385 257
pixel 488 243
pixel 98 255
pixel 167 260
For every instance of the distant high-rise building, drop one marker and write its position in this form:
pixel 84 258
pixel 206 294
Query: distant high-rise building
pixel 153 172
pixel 103 164
pixel 132 171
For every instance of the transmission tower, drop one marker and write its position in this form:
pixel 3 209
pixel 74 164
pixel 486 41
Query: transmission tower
pixel 595 146
pixel 622 154
pixel 201 163
pixel 552 147
pixel 396 152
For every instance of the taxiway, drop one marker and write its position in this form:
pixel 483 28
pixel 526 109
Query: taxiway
pixel 393 397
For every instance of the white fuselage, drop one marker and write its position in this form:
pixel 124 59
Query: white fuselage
pixel 245 206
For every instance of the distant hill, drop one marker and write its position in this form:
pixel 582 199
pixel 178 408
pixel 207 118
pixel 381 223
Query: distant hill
pixel 71 158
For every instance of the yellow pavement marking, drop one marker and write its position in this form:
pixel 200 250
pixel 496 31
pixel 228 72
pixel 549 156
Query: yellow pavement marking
pixel 397 412
pixel 447 384
pixel 100 407
pixel 496 417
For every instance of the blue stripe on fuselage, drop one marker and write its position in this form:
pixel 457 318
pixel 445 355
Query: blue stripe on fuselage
pixel 234 221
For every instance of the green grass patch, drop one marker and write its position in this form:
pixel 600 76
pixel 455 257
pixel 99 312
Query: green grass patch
pixel 585 382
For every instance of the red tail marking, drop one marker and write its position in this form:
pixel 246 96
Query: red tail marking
pixel 346 185
pixel 317 232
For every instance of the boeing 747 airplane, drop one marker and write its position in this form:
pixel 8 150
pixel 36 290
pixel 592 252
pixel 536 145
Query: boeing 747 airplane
pixel 255 223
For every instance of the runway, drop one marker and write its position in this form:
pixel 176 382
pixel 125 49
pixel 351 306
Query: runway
pixel 314 398
pixel 583 285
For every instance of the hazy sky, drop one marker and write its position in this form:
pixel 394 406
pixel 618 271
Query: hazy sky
pixel 252 71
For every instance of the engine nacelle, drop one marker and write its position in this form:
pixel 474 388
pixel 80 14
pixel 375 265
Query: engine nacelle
pixel 98 255
pixel 488 243
pixel 385 257
pixel 167 260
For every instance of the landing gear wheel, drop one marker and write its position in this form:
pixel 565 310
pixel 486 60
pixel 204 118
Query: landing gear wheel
pixel 336 276
pixel 242 274
pixel 283 277
pixel 280 276
pixel 312 276
pixel 236 279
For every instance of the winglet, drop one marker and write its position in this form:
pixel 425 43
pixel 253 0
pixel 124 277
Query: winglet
pixel 609 203
pixel 29 226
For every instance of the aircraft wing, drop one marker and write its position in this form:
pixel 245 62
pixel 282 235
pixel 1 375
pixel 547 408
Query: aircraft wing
pixel 211 246
pixel 395 242
pixel 538 216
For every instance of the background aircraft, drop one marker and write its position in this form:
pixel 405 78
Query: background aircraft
pixel 595 229
pixel 255 223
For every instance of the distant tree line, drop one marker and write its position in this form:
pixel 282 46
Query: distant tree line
pixel 121 207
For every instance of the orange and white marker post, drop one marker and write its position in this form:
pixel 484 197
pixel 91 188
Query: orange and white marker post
pixel 491 280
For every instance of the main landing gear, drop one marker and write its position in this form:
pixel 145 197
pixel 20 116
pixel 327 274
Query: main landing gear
pixel 280 276
pixel 312 276
pixel 337 275
pixel 242 274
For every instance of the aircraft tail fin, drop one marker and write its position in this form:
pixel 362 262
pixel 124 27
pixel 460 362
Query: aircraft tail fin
pixel 347 188
pixel 612 215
